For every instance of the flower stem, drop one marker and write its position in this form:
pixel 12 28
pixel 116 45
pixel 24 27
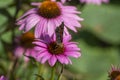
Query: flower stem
pixel 53 73
pixel 40 70
pixel 59 77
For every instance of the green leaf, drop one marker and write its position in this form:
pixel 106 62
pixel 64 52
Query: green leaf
pixel 103 21
pixel 41 78
pixel 7 37
pixel 94 62
pixel 4 3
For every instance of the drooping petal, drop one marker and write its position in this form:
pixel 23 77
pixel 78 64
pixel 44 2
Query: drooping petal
pixel 51 27
pixel 67 38
pixel 73 54
pixel 66 22
pixel 35 4
pixel 37 48
pixel 19 51
pixel 97 2
pixel 22 27
pixel 41 44
pixel 41 54
pixel 62 59
pixel 40 28
pixel 31 11
pixel 72 49
pixel 31 21
pixel 52 60
pixel 45 58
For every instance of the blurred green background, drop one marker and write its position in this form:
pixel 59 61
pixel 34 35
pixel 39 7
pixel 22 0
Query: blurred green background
pixel 99 40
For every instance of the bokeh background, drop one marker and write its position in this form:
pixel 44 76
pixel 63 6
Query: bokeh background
pixel 99 40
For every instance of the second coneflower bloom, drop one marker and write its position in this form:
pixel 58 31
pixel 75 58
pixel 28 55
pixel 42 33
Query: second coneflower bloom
pixel 97 2
pixel 24 46
pixel 2 78
pixel 114 74
pixel 49 50
pixel 47 16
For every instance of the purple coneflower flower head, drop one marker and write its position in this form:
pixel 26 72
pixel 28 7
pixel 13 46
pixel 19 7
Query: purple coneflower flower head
pixel 63 1
pixel 114 73
pixel 97 2
pixel 47 16
pixel 49 50
pixel 25 46
pixel 2 78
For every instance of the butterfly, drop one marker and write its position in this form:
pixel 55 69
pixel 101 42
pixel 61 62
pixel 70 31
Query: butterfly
pixel 59 33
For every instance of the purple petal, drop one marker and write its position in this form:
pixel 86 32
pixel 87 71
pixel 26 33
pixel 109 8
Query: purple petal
pixel 105 1
pixel 69 60
pixel 27 53
pixel 41 44
pixel 63 1
pixel 41 54
pixel 68 10
pixel 69 7
pixel 66 61
pixel 19 51
pixel 21 22
pixel 22 27
pixel 68 24
pixel 31 21
pixel 52 60
pixel 73 54
pixel 67 38
pixel 33 53
pixel 72 44
pixel 72 49
pixel 38 48
pixel 51 27
pixel 66 32
pixel 62 59
pixel 31 11
pixel 35 4
pixel 58 21
pixel 47 38
pixel 45 58
pixel 40 28
pixel 74 16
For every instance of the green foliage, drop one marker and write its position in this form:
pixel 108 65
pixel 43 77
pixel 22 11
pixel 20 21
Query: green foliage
pixel 5 3
pixel 103 21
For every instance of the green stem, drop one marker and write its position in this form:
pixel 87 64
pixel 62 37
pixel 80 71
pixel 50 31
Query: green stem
pixel 40 70
pixel 53 73
pixel 59 77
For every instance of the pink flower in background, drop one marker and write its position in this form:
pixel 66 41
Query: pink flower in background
pixel 2 78
pixel 47 16
pixel 25 46
pixel 48 50
pixel 98 2
pixel 114 73
pixel 63 1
